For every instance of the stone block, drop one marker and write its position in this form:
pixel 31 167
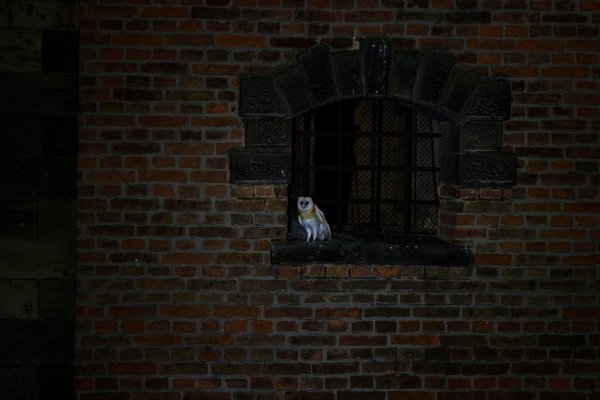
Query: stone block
pixel 265 133
pixel 19 382
pixel 259 97
pixel 37 259
pixel 57 219
pixel 433 75
pixel 48 341
pixel 18 219
pixel 21 135
pixel 18 299
pixel 376 53
pixel 487 169
pixel 460 89
pixel 492 101
pixel 39 14
pixel 292 84
pixel 20 50
pixel 59 135
pixel 56 381
pixel 56 298
pixel 404 67
pixel 58 179
pixel 317 64
pixel 347 69
pixel 27 179
pixel 38 93
pixel 448 148
pixel 19 179
pixel 478 135
pixel 60 51
pixel 382 249
pixel 259 167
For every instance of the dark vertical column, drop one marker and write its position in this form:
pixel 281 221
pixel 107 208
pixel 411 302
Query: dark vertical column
pixel 38 182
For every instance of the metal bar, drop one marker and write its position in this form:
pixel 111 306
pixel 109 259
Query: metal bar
pixel 379 161
pixel 340 128
pixel 366 134
pixel 373 161
pixel 434 173
pixel 383 201
pixel 410 127
pixel 308 154
pixel 370 168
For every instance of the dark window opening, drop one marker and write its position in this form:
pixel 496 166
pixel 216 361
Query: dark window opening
pixel 370 164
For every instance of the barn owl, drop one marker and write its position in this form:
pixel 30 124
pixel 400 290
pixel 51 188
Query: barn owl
pixel 313 220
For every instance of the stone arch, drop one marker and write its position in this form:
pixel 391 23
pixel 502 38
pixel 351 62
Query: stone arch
pixel 427 79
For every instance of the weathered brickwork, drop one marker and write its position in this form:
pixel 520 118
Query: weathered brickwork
pixel 176 298
pixel 339 331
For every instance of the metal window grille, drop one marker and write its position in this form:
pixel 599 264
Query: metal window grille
pixel 371 165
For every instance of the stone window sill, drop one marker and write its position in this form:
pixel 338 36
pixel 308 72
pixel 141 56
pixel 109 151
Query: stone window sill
pixel 389 249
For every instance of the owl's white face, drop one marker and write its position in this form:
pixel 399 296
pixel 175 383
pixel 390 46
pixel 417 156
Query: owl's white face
pixel 304 203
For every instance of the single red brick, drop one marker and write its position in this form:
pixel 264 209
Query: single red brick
pixel 133 244
pixel 509 383
pixel 561 221
pixel 562 234
pixel 231 326
pixel 209 176
pixel 171 121
pixel 411 395
pixel 131 368
pixel 488 220
pixel 584 246
pixel 591 260
pixel 241 41
pixel 514 71
pixel 543 45
pixel 189 148
pixel 184 311
pixel 492 259
pixel 339 271
pixel 215 191
pixel 265 192
pixel 387 271
pixel 262 326
pixel 583 207
pixel 186 258
pixel 490 194
pixel 559 247
pixel 137 39
pixel 359 271
pixel 566 72
pixel 415 340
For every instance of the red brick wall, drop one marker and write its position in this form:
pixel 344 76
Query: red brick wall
pixel 175 295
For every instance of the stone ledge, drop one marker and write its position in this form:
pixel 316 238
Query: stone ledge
pixel 389 249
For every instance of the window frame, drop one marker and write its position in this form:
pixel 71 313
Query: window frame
pixel 304 177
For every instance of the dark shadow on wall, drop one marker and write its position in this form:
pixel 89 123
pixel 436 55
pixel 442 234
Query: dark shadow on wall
pixel 38 183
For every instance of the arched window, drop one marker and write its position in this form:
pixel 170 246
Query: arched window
pixel 372 165
pixel 369 131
